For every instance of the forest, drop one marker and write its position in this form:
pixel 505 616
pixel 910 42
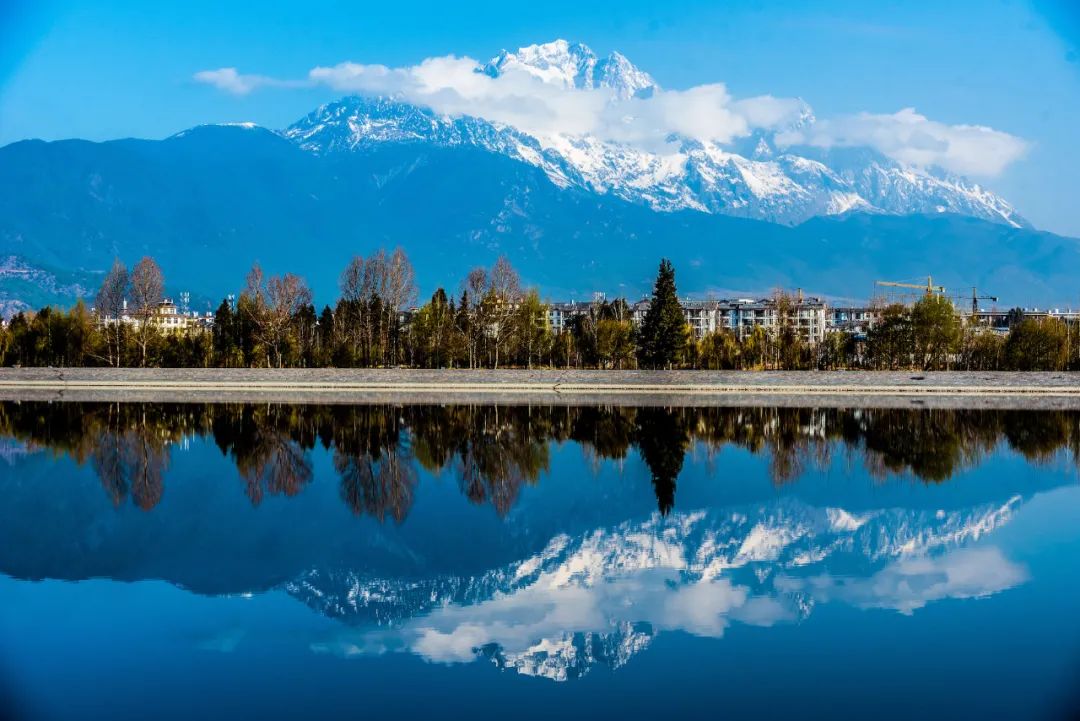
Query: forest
pixel 493 321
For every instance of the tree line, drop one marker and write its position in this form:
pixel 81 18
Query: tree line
pixel 493 321
pixel 495 451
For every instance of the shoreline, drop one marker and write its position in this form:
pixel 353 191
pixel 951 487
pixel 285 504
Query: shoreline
pixel 954 389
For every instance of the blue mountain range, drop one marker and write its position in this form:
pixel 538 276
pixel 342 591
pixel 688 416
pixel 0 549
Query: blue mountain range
pixel 574 217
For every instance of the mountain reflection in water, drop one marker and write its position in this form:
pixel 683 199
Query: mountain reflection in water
pixel 601 597
pixel 579 575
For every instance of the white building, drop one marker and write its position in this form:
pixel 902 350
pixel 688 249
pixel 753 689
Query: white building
pixel 167 317
pixel 741 316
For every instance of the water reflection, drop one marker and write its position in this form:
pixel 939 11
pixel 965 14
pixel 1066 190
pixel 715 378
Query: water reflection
pixel 494 451
pixel 550 576
pixel 601 597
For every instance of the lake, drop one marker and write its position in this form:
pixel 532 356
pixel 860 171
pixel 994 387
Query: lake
pixel 272 560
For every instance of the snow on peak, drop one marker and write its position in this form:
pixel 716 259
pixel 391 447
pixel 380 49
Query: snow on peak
pixel 574 65
pixel 627 80
pixel 758 176
pixel 601 596
pixel 557 62
pixel 210 127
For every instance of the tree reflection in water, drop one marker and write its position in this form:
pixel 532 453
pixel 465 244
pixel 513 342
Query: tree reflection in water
pixel 129 459
pixel 373 458
pixel 662 437
pixel 494 451
pixel 269 445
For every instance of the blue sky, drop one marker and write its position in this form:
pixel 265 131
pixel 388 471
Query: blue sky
pixel 109 69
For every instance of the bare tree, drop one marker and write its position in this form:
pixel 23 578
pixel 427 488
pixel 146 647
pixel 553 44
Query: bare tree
pixel 501 303
pixel 147 288
pixel 475 287
pixel 399 293
pixel 505 281
pixel 352 280
pixel 476 283
pixel 271 304
pixel 252 303
pixel 285 296
pixel 375 272
pixel 253 286
pixel 374 288
pixel 109 306
pixel 400 281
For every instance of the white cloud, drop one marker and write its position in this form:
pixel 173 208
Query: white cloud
pixel 541 617
pixel 545 614
pixel 916 140
pixel 451 85
pixel 911 583
pixel 644 581
pixel 234 82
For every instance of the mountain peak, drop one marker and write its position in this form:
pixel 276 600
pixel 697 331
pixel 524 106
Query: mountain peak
pixel 574 65
pixel 617 72
pixel 756 176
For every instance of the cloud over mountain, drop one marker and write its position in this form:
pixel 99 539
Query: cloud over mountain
pixel 555 90
pixel 914 139
pixel 546 107
pixel 231 81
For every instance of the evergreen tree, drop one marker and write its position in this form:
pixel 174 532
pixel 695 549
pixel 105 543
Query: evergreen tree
pixel 226 345
pixel 326 336
pixel 664 331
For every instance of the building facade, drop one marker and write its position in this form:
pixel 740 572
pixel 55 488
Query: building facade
pixel 166 317
pixel 853 320
pixel 741 316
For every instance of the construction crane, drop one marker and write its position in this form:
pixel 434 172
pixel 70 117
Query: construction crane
pixel 929 288
pixel 975 298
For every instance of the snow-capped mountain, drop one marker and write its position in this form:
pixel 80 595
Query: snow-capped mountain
pixel 754 177
pixel 601 597
pixel 356 124
pixel 575 66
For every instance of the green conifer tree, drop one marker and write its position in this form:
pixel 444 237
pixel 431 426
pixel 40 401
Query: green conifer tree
pixel 663 332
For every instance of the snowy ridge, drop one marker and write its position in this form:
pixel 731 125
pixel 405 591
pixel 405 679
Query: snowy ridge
pixel 575 66
pixel 357 124
pixel 244 125
pixel 601 597
pixel 753 178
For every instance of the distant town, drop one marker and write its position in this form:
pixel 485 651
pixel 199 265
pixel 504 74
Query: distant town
pixel 493 321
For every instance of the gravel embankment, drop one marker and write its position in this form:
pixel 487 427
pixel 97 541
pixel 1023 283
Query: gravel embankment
pixel 832 388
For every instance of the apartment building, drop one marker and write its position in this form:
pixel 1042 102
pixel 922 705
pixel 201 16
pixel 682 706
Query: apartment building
pixel 741 316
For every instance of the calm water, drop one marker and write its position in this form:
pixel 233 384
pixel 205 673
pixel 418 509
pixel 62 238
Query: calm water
pixel 169 561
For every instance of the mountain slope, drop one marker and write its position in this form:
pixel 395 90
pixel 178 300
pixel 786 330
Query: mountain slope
pixel 208 202
pixel 616 588
pixel 756 178
pixel 575 213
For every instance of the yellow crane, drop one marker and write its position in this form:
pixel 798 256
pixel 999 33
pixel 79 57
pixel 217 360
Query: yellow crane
pixel 929 287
